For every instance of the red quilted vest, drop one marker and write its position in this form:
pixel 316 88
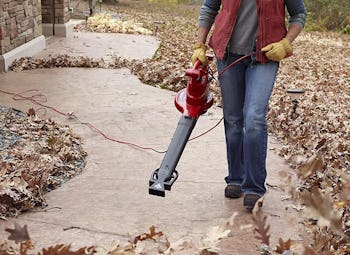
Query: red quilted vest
pixel 271 25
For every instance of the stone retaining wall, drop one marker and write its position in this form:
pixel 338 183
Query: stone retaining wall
pixel 20 22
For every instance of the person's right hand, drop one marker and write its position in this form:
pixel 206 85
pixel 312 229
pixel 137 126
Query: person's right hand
pixel 199 51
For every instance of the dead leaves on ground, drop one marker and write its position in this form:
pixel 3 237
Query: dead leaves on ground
pixel 324 243
pixel 316 138
pixel 27 63
pixel 37 155
pixel 151 243
pixel 313 164
pixel 107 23
pixel 324 206
pixel 320 207
pixel 61 249
pixel 155 242
pixel 19 235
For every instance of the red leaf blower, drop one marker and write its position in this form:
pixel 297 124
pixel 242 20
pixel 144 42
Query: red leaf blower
pixel 192 101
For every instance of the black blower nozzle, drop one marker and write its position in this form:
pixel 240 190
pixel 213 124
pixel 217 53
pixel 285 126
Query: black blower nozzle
pixel 160 182
pixel 163 178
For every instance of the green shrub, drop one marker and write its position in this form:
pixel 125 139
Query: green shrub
pixel 328 14
pixel 346 30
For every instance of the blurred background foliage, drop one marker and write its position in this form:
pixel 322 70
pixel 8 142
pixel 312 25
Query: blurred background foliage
pixel 325 15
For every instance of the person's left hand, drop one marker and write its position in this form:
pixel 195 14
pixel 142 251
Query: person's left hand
pixel 278 50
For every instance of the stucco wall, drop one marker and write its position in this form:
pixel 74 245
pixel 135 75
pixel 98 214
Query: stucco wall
pixel 20 22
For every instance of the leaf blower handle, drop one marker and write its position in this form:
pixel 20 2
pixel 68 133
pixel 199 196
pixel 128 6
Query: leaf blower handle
pixel 199 51
pixel 197 64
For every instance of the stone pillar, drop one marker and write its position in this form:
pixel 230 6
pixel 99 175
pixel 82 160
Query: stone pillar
pixel 56 18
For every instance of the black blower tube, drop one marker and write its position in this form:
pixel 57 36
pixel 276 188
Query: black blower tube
pixel 163 177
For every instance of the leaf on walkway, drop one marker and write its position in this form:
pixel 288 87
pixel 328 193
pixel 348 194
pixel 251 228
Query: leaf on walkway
pixel 6 249
pixel 206 252
pixel 31 112
pixel 18 234
pixel 261 227
pixel 179 245
pixel 230 222
pixel 213 236
pixel 117 249
pixel 283 245
pixel 61 249
pixel 151 235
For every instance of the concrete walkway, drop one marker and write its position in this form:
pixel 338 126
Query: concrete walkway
pixel 109 201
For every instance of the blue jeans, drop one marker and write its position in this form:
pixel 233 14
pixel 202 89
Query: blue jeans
pixel 246 89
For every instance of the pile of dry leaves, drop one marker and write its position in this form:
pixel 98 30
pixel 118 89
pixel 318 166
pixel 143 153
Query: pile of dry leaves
pixel 155 242
pixel 152 242
pixel 36 156
pixel 316 137
pixel 107 23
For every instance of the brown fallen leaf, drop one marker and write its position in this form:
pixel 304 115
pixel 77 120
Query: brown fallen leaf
pixel 283 245
pixel 31 112
pixel 319 206
pixel 61 249
pixel 151 235
pixel 213 236
pixel 179 245
pixel 309 251
pixel 118 249
pixel 313 164
pixel 261 226
pixel 206 252
pixel 18 234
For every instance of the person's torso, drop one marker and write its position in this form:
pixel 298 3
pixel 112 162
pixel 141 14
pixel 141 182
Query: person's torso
pixel 244 31
pixel 270 24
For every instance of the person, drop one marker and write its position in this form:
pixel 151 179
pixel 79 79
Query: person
pixel 254 31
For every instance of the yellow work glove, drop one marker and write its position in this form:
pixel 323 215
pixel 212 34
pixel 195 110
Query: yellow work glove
pixel 278 50
pixel 199 51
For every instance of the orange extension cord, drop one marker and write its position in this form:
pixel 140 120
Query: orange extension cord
pixel 39 99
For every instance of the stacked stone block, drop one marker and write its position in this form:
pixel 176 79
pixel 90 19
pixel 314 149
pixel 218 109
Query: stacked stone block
pixel 55 8
pixel 20 22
